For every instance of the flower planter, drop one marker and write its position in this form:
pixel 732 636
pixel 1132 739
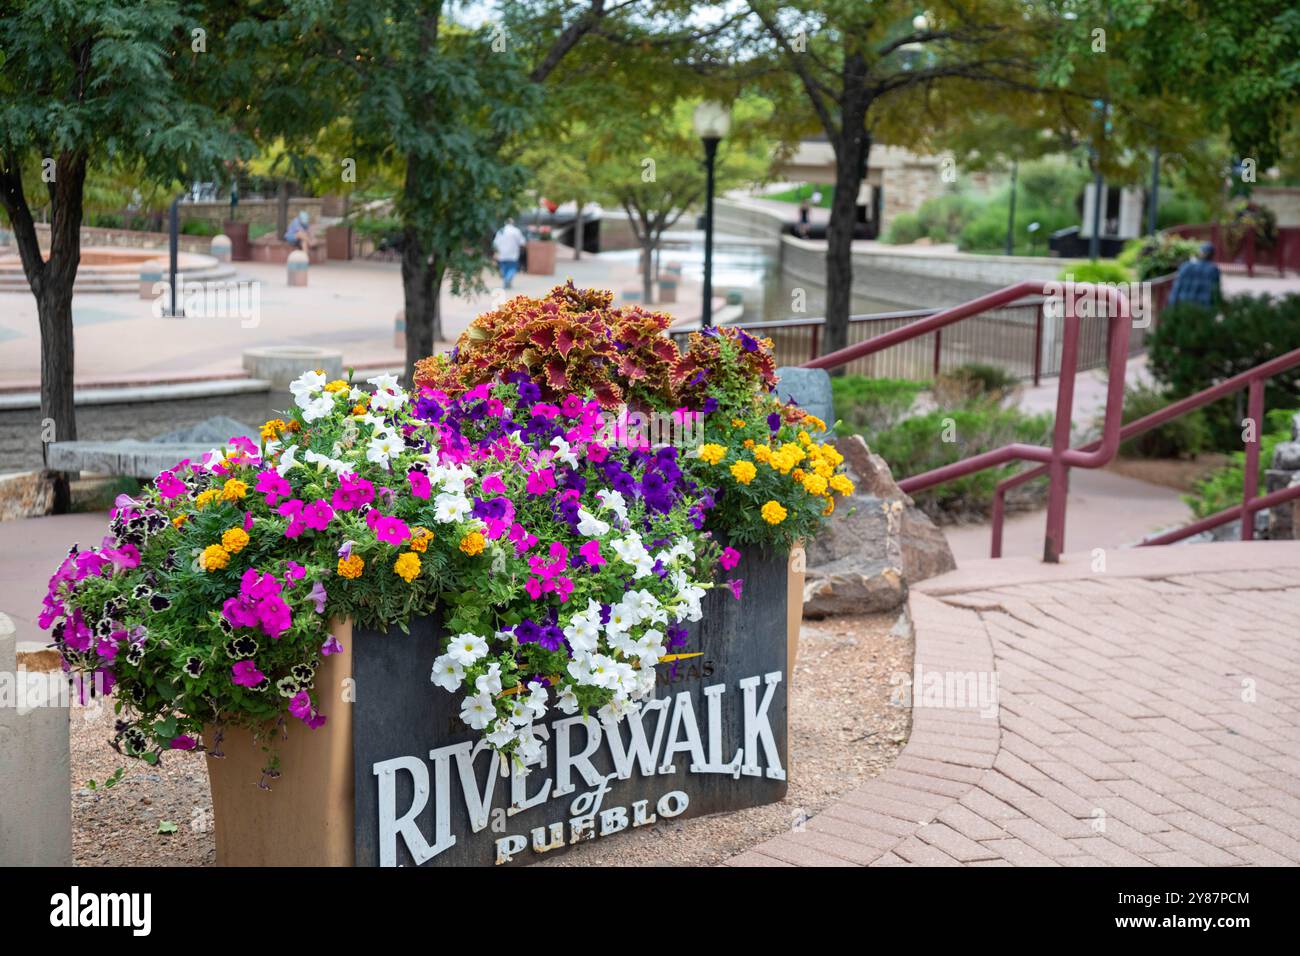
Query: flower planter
pixel 541 257
pixel 305 819
pixel 717 742
pixel 237 232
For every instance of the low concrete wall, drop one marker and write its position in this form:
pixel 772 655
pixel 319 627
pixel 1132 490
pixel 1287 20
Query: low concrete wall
pixel 254 211
pixel 931 278
pixel 91 236
pixel 138 413
pixel 35 766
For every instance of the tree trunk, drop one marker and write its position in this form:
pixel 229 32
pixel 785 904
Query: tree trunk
pixel 648 270
pixel 850 165
pixel 421 289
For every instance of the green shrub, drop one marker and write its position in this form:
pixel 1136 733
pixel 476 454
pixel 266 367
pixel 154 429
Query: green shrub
pixel 1096 270
pixel 905 228
pixel 918 444
pixel 1224 487
pixel 1161 255
pixel 973 382
pixel 200 227
pixel 1194 347
pixel 866 406
pixel 1178 209
pixel 1188 435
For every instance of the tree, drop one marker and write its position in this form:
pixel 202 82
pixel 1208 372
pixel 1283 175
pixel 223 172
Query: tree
pixel 855 62
pixel 441 100
pixel 651 164
pixel 83 85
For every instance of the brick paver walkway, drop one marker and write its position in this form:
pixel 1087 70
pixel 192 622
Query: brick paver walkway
pixel 1146 715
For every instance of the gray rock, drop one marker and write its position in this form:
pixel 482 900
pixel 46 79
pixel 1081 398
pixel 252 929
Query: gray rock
pixel 875 544
pixel 809 388
pixel 1286 456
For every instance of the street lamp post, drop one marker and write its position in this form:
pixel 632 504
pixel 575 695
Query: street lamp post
pixel 712 122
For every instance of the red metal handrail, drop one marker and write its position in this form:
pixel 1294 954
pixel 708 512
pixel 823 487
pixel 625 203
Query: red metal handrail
pixel 1059 458
pixel 1251 379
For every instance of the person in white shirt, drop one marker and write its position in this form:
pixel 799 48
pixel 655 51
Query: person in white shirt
pixel 507 244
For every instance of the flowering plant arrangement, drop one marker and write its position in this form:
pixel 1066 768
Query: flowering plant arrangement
pixel 566 559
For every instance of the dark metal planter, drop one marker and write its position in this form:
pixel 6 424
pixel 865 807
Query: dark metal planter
pixel 716 762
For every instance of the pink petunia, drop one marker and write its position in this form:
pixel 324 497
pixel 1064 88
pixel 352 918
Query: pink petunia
pixel 591 553
pixel 541 481
pixel 392 531
pixel 419 482
pixel 317 515
pixel 246 674
pixel 493 485
pixel 183 742
pixel 729 559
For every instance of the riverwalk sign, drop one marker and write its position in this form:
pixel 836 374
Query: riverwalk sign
pixel 713 738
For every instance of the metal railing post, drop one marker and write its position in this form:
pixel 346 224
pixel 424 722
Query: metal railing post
pixel 816 342
pixel 1250 478
pixel 1038 345
pixel 938 349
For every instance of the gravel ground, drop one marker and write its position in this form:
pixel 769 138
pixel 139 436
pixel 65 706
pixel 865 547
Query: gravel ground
pixel 843 731
pixel 119 826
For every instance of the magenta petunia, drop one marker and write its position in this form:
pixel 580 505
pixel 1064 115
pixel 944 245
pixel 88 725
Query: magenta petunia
pixel 246 674
pixel 729 559
pixel 183 742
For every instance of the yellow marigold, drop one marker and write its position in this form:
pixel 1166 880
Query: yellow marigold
pixel 744 471
pixel 712 454
pixel 804 438
pixel 178 521
pixel 351 567
pixel 420 538
pixel 473 543
pixel 831 455
pixel 830 507
pixel 407 566
pixel 798 474
pixel 825 469
pixel 205 498
pixel 214 558
pixel 234 540
pixel 271 430
pixel 763 454
pixel 359 408
pixel 338 385
pixel 749 444
pixel 814 484
pixel 841 484
pixel 737 423
pixel 815 423
pixel 293 426
pixel 773 513
pixel 783 461
pixel 233 490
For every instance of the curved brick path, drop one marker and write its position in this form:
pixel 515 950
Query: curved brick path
pixel 1146 715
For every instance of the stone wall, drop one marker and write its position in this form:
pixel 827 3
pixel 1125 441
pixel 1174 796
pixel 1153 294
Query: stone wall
pixel 126 238
pixel 143 418
pixel 252 211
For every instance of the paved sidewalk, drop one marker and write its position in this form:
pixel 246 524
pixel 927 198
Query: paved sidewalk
pixel 1146 715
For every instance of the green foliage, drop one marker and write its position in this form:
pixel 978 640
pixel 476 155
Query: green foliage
pixel 200 227
pixel 1224 487
pixel 1194 347
pixel 1188 435
pixel 1157 255
pixel 905 228
pixel 865 406
pixel 1108 271
pixel 799 193
pixel 974 382
pixel 918 445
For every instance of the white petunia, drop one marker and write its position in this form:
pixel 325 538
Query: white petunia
pixel 383 401
pixel 327 463
pixel 383 447
pixel 529 746
pixel 502 733
pixel 465 649
pixel 447 673
pixel 287 461
pixel 384 380
pixel 315 408
pixel 563 452
pixel 613 501
pixel 583 633
pixel 307 384
pixel 450 507
pixel 616 709
pixel 537 699
pixel 567 701
pixel 489 683
pixel 591 526
pixel 478 710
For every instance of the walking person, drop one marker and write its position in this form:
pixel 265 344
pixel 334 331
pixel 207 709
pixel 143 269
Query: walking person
pixel 507 244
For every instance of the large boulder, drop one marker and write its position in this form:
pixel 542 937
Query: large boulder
pixel 876 542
